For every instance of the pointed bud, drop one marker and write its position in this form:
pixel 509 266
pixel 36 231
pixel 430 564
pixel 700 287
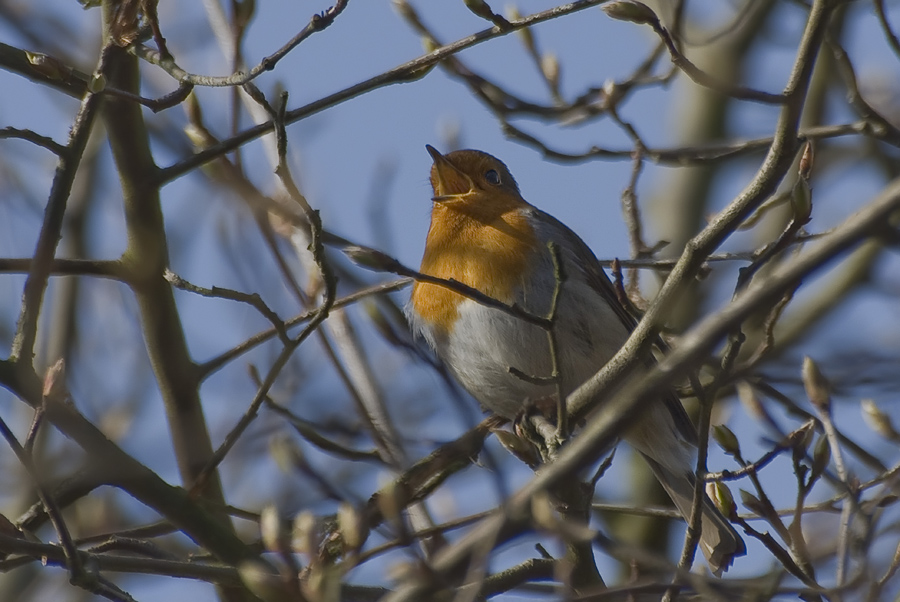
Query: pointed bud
pixel 305 534
pixel 726 440
pixel 801 201
pixel 752 503
pixel 370 258
pixel 512 13
pixel 196 132
pixel 351 525
pixel 542 511
pixel 806 161
pixel 877 420
pixel 389 502
pixel 262 581
pixel 55 382
pixel 286 453
pixel 633 12
pixel 550 69
pixel 801 438
pixel 821 458
pixel 47 66
pixel 271 529
pixel 750 401
pixel 721 496
pixel 817 388
pixel 403 8
pixel 193 109
pixel 429 44
pixel 198 136
pixel 97 83
pixel 481 8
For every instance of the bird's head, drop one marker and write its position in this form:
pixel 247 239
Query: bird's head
pixel 473 179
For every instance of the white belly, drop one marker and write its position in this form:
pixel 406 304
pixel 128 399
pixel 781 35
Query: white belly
pixel 485 343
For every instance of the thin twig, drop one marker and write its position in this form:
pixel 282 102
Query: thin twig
pixel 36 283
pixel 850 504
pixel 780 553
pixel 684 155
pixel 312 433
pixel 882 128
pixel 156 105
pixel 381 262
pixel 318 22
pixel 694 521
pixel 212 365
pixel 77 573
pixel 888 32
pixel 216 292
pixel 31 136
pixel 747 469
pixel 700 77
pixel 54 555
pixel 252 410
pixel 408 71
pixel 560 276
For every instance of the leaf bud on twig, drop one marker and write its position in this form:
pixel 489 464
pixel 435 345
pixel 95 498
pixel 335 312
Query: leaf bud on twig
pixel 816 385
pixel 726 439
pixel 633 12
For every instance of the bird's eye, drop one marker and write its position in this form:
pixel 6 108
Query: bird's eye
pixel 492 177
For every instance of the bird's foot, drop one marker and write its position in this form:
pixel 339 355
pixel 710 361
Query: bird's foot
pixel 536 424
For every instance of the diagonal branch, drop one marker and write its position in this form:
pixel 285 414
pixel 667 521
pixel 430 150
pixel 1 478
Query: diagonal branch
pixel 26 328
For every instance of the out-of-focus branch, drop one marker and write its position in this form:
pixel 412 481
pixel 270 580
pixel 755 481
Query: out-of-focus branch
pixel 123 471
pixel 111 269
pixel 53 555
pixel 886 27
pixel 882 128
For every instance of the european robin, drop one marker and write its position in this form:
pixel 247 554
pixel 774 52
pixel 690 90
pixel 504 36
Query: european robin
pixel 485 235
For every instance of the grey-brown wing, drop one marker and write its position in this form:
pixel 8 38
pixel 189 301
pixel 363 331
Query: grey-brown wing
pixel 599 281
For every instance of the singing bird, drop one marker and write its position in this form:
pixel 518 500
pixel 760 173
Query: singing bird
pixel 485 235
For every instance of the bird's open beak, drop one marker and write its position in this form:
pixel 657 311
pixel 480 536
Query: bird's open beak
pixel 448 182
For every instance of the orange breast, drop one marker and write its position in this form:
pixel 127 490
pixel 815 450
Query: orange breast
pixel 492 253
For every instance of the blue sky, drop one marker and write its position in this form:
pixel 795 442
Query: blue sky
pixel 338 154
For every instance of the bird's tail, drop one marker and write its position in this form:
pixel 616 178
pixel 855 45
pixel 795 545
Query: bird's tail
pixel 719 542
